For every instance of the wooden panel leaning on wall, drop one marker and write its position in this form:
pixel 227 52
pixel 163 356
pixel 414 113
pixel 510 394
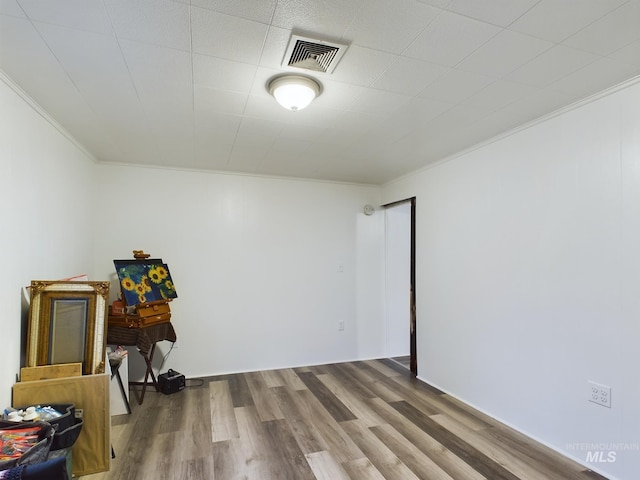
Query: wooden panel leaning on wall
pixel 92 452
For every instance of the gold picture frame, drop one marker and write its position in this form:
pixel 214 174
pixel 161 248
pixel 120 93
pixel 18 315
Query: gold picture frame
pixel 67 324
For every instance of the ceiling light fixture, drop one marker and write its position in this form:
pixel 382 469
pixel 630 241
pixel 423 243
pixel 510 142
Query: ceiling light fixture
pixel 294 92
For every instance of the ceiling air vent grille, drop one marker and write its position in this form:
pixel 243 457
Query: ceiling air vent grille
pixel 314 55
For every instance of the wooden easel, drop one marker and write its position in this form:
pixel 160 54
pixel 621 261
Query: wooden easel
pixel 146 315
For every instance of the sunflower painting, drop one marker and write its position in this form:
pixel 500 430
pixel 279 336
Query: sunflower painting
pixel 144 281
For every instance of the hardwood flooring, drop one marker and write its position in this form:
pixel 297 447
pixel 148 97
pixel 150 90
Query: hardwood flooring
pixel 359 420
pixel 404 361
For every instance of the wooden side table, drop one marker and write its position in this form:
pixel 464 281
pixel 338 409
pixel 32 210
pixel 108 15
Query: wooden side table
pixel 115 372
pixel 145 340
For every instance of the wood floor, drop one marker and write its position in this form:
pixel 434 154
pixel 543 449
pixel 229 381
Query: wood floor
pixel 359 420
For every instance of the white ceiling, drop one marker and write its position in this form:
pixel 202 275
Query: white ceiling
pixel 182 83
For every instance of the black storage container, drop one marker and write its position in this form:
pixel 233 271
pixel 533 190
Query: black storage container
pixel 171 382
pixel 37 453
pixel 66 427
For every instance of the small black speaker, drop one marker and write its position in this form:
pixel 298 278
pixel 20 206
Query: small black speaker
pixel 171 382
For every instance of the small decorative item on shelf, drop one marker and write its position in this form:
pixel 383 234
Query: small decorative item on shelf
pixel 117 307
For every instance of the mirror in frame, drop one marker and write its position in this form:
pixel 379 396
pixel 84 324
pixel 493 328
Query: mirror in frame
pixel 67 324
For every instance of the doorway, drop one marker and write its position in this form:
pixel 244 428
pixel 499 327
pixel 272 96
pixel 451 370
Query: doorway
pixel 400 246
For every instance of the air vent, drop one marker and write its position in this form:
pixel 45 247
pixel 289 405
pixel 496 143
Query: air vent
pixel 311 54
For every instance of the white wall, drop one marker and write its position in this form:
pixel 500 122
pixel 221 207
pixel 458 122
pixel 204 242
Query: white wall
pixel 256 265
pixel 46 230
pixel 528 277
pixel 398 278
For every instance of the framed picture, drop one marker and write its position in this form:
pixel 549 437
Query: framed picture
pixel 145 281
pixel 67 324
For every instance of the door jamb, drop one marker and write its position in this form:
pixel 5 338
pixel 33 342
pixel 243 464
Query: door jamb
pixel 413 362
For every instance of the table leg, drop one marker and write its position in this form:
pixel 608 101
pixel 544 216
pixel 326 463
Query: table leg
pixel 148 360
pixel 124 393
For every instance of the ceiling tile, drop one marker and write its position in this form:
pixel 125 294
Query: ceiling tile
pixel 551 65
pixel 379 102
pixel 286 165
pixel 539 103
pixel 408 76
pixel 247 153
pixel 260 80
pixel 498 123
pixel 450 38
pixel 223 74
pixel 210 155
pixel 210 100
pixel 172 124
pixel 596 76
pixel 248 142
pixel 150 65
pixel 338 95
pixel 11 8
pixel 119 108
pixel 503 54
pixel 224 36
pixel 32 63
pixel 266 107
pixel 314 115
pixel 325 20
pixel 616 30
pixel 40 75
pixel 355 123
pixel 362 66
pixel 436 3
pixel 498 95
pixel 176 149
pixel 160 22
pixel 555 20
pixel 287 144
pixel 223 127
pixel 497 12
pixel 410 117
pixel 389 25
pixel 168 104
pixel 449 122
pixel 132 134
pixel 88 58
pixel 299 130
pixel 629 53
pixel 246 156
pixel 275 47
pixel 184 83
pixel 419 112
pixel 328 150
pixel 455 86
pixel 261 11
pixel 81 14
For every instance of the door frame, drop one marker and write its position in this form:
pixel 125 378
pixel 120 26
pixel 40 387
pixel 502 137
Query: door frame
pixel 413 354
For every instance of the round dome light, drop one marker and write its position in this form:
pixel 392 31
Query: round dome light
pixel 294 92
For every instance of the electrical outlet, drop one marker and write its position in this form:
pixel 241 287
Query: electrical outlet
pixel 600 394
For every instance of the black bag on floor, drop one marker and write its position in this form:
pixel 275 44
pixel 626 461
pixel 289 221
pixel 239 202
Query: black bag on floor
pixel 38 452
pixel 67 427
